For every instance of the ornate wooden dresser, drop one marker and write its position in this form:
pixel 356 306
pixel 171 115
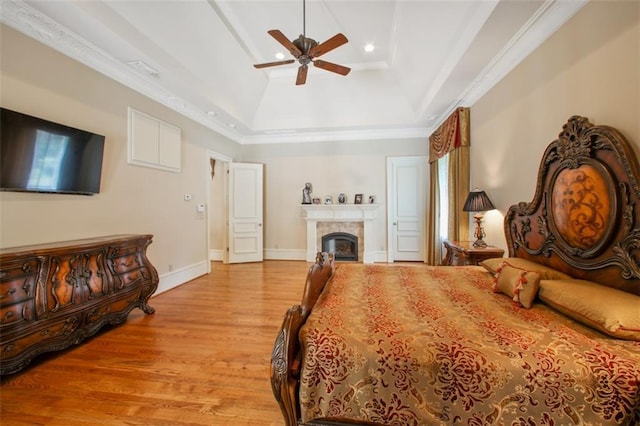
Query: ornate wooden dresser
pixel 55 295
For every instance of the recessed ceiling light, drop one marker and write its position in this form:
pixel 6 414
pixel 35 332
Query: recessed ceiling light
pixel 369 47
pixel 279 55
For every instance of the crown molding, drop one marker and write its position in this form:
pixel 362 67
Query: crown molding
pixel 27 20
pixel 338 135
pixel 547 20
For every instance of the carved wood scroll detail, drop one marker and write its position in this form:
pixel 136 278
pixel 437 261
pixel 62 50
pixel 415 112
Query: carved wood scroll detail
pixel 55 295
pixel 285 357
pixel 584 215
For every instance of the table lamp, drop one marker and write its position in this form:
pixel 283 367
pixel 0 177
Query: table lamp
pixel 478 201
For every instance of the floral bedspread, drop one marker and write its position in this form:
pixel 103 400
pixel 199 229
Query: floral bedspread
pixel 421 345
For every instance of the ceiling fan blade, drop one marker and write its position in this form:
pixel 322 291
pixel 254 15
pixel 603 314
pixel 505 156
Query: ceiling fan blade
pixel 273 64
pixel 302 75
pixel 327 46
pixel 339 69
pixel 283 40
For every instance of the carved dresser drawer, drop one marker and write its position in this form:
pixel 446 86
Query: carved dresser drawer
pixel 17 290
pixel 37 338
pixel 123 263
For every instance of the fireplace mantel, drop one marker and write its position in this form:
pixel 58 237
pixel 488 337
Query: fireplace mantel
pixel 366 213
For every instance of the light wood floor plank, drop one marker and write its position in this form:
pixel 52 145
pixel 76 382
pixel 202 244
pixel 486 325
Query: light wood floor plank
pixel 201 359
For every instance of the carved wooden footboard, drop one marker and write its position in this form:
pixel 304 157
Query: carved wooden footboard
pixel 285 359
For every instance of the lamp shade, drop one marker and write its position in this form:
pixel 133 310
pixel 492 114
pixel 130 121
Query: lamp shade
pixel 478 201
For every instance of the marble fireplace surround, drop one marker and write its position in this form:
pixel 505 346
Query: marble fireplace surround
pixel 355 219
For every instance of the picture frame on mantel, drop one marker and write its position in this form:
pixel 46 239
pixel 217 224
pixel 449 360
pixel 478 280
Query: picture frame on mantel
pixel 357 199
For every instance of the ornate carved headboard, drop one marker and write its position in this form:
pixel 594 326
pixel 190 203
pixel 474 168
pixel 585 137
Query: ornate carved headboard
pixel 584 219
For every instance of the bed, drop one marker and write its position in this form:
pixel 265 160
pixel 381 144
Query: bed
pixel 548 335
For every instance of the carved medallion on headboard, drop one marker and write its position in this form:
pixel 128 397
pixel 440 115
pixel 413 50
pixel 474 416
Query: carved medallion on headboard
pixel 585 216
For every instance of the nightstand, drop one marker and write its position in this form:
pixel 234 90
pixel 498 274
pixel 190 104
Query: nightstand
pixel 461 253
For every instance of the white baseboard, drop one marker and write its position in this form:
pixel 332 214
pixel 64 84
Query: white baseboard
pixel 284 254
pixel 180 276
pixel 380 256
pixel 216 255
pixel 280 254
pixel 269 254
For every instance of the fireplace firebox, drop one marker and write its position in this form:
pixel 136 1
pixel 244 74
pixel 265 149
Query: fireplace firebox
pixel 343 245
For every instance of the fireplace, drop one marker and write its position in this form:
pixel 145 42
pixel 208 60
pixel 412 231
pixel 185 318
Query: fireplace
pixel 342 244
pixel 356 219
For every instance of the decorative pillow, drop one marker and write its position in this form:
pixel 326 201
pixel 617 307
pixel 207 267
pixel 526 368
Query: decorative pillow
pixel 546 272
pixel 519 284
pixel 606 309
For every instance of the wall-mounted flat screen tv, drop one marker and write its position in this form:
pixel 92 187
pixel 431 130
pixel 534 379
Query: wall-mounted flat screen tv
pixel 42 156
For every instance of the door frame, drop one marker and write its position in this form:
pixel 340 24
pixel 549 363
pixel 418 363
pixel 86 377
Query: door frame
pixel 391 196
pixel 212 155
pixel 231 255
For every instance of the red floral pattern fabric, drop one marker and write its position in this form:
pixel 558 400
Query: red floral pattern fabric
pixel 421 345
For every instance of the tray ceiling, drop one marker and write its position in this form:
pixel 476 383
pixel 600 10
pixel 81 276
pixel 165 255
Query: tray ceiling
pixel 197 56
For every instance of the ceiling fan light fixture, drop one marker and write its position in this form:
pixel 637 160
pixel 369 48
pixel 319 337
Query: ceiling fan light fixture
pixel 305 51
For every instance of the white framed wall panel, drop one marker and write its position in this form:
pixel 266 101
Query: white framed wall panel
pixel 153 143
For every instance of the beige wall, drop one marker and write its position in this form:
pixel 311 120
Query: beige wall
pixel 38 81
pixel 352 167
pixel 590 67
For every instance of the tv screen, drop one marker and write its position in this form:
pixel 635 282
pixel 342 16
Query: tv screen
pixel 41 156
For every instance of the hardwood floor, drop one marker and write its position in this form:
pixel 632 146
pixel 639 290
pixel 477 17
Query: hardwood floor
pixel 201 359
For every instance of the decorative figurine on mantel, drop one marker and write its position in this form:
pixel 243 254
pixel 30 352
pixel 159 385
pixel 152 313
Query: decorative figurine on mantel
pixel 306 193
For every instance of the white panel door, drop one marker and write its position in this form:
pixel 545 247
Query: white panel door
pixel 244 215
pixel 407 198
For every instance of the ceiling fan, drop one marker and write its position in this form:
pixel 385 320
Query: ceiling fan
pixel 305 50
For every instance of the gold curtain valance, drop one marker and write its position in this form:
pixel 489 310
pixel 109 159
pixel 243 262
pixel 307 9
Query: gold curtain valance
pixel 451 134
